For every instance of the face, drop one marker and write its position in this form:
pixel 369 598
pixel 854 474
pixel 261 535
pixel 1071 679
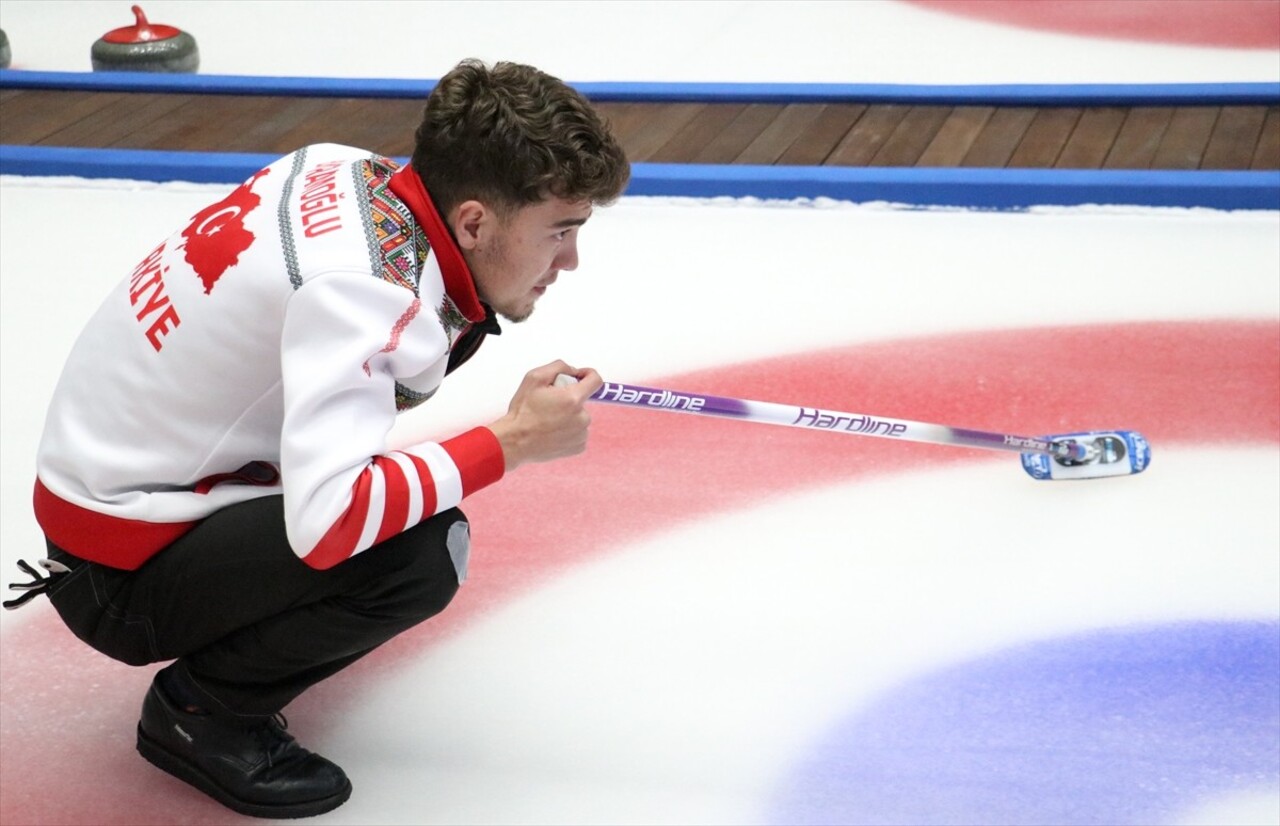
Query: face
pixel 514 259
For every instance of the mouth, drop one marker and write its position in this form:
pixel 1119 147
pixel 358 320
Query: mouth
pixel 541 288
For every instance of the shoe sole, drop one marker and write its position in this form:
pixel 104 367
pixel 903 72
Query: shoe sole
pixel 168 762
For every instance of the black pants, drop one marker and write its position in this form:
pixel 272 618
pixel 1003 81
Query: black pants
pixel 250 624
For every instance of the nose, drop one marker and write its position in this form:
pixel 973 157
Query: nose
pixel 567 257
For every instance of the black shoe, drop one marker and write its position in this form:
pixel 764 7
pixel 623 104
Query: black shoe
pixel 258 770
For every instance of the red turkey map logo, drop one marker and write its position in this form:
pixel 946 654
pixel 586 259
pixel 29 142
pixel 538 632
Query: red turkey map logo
pixel 216 235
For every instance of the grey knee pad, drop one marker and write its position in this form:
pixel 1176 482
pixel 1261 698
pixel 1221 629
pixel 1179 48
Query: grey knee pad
pixel 459 544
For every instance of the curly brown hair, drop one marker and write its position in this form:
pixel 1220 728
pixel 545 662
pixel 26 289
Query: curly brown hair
pixel 512 135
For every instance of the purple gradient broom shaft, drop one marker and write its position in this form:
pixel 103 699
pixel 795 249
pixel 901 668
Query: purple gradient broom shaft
pixel 814 418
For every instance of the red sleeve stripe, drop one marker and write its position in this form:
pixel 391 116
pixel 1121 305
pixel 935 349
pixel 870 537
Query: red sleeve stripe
pixel 395 509
pixel 343 536
pixel 441 473
pixel 426 485
pixel 477 454
pixel 413 489
pixel 377 508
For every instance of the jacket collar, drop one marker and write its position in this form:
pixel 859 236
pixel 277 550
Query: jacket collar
pixel 458 282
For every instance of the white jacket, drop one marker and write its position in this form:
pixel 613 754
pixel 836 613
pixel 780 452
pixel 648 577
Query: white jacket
pixel 266 347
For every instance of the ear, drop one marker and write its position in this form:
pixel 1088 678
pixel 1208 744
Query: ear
pixel 470 222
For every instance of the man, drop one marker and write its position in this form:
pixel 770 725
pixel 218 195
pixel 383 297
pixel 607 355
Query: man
pixel 214 480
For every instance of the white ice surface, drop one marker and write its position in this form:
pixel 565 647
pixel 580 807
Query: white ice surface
pixel 731 666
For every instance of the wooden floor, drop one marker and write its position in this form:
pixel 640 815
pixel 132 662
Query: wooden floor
pixel 837 134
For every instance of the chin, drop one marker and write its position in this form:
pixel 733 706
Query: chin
pixel 515 317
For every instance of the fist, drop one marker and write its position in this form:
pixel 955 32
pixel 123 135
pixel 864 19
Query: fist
pixel 547 419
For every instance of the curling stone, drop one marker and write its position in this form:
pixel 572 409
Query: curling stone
pixel 5 54
pixel 145 47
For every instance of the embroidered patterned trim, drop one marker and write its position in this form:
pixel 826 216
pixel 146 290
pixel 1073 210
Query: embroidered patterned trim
pixel 398 249
pixel 451 318
pixel 398 246
pixel 282 217
pixel 407 399
pixel 361 173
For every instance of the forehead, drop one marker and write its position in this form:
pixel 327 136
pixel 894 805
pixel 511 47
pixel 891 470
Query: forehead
pixel 555 212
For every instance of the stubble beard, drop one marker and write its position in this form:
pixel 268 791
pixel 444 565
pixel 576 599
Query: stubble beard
pixel 495 258
pixel 515 318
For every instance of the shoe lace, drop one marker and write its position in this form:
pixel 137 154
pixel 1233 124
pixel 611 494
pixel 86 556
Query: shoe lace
pixel 274 735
